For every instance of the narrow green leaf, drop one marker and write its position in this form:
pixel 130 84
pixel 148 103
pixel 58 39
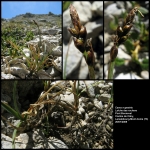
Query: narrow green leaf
pixel 14 97
pixel 11 110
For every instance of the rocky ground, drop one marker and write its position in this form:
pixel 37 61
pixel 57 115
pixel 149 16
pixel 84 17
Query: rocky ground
pixel 90 126
pixel 91 16
pixel 128 69
pixel 39 58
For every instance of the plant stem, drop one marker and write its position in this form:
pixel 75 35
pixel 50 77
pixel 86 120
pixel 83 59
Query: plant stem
pixel 15 134
pixel 110 70
pixel 91 72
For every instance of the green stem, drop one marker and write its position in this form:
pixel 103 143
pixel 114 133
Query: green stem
pixel 91 72
pixel 15 134
pixel 110 70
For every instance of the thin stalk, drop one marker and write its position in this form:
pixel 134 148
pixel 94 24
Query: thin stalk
pixel 91 72
pixel 110 70
pixel 15 134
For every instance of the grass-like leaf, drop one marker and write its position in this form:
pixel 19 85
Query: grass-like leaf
pixel 12 111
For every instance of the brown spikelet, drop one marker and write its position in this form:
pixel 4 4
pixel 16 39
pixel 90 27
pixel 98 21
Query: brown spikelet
pixel 122 32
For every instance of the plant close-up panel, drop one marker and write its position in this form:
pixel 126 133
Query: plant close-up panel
pixel 31 40
pixel 45 114
pixel 126 40
pixel 83 40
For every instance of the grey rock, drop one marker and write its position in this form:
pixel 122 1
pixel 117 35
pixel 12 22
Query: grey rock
pixel 42 20
pixel 113 10
pixel 17 71
pixel 15 61
pixel 68 98
pixel 108 128
pixel 49 31
pixel 57 51
pixel 27 52
pixel 106 3
pixel 121 4
pixel 52 72
pixel 84 10
pixel 54 31
pixel 107 21
pixel 83 73
pixel 94 28
pixel 122 54
pixel 81 86
pixel 98 104
pixel 59 31
pixel 97 7
pixel 110 84
pixel 7 143
pixel 107 39
pixel 89 88
pixel 81 110
pixel 104 97
pixel 58 63
pixel 100 85
pixel 106 58
pixel 91 113
pixel 145 74
pixel 101 91
pixel 73 59
pixel 23 138
pixel 105 87
pixel 66 25
pixel 42 74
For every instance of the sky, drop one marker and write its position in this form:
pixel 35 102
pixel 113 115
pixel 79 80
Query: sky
pixel 10 9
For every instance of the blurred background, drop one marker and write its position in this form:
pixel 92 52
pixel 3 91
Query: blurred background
pixel 132 61
pixel 91 16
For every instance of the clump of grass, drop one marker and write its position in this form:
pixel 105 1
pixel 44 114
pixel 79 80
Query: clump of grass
pixel 81 42
pixel 120 37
